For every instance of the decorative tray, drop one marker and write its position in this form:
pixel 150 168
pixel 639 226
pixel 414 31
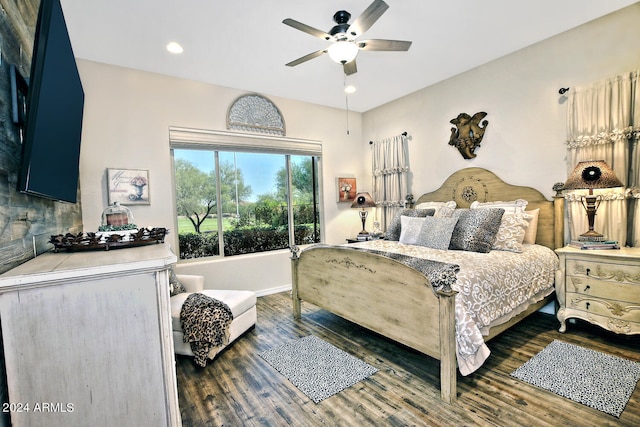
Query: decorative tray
pixel 105 241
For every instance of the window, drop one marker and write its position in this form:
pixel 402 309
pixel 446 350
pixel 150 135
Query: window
pixel 235 202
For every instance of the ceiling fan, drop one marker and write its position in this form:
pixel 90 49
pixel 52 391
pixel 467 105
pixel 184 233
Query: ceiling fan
pixel 344 46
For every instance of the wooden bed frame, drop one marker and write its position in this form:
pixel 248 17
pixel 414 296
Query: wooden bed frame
pixel 398 302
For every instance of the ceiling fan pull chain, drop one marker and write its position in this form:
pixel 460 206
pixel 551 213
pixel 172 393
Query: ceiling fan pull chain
pixel 346 99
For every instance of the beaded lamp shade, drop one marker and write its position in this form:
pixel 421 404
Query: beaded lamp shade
pixel 592 174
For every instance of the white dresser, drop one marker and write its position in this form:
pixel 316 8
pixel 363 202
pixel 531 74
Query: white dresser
pixel 601 287
pixel 87 339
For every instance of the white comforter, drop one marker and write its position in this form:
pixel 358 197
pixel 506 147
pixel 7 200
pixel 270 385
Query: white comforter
pixel 493 287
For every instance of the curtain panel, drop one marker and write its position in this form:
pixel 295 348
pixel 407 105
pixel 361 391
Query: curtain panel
pixel 390 175
pixel 633 236
pixel 602 124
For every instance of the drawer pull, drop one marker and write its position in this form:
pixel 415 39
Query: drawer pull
pixel 587 288
pixel 588 271
pixel 587 305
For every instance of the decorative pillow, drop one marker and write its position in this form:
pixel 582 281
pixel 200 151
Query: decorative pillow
pixel 441 208
pixel 515 206
pixel 393 230
pixel 511 232
pixel 532 231
pixel 436 232
pixel 410 229
pixel 476 229
pixel 175 287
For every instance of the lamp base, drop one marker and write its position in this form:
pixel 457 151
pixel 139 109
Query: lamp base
pixel 363 218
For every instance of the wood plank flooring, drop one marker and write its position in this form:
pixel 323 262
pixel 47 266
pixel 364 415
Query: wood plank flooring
pixel 240 389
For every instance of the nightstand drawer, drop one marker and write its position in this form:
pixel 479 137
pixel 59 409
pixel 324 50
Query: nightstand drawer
pixel 604 307
pixel 618 272
pixel 603 288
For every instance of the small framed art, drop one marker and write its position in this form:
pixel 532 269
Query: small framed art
pixel 128 186
pixel 346 189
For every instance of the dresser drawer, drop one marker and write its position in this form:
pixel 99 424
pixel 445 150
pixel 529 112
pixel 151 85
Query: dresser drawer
pixel 587 285
pixel 604 307
pixel 616 272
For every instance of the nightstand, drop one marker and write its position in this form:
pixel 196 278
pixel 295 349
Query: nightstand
pixel 601 287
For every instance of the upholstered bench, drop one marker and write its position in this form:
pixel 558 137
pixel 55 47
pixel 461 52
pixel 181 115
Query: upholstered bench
pixel 241 303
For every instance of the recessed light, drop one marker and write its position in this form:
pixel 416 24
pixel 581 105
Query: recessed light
pixel 349 89
pixel 174 47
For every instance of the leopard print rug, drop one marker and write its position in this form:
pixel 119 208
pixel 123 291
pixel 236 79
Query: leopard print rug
pixel 205 322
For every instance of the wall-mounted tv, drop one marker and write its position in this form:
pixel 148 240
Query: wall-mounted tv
pixel 54 110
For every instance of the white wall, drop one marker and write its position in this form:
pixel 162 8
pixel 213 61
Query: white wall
pixel 126 125
pixel 524 142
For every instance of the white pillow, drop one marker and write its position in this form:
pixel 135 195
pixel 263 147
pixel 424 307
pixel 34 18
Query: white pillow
pixel 532 231
pixel 511 233
pixel 444 209
pixel 515 206
pixel 410 229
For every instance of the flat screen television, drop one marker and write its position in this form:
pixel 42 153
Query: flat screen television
pixel 55 104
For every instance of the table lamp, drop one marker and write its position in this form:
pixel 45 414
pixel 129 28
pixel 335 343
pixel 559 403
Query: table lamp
pixel 363 200
pixel 592 174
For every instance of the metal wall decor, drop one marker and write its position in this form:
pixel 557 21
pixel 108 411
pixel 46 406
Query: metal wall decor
pixel 468 134
pixel 255 113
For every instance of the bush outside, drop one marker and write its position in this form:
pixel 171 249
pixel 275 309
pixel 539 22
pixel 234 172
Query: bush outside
pixel 255 230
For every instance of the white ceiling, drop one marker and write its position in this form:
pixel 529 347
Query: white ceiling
pixel 244 44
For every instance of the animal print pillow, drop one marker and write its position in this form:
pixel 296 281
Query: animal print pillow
pixel 476 229
pixel 175 286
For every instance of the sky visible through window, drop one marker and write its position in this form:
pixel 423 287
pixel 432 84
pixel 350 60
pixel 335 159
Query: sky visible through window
pixel 259 170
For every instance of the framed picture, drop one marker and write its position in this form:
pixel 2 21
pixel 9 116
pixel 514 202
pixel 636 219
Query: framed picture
pixel 346 189
pixel 128 186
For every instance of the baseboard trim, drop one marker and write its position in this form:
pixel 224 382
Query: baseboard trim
pixel 275 290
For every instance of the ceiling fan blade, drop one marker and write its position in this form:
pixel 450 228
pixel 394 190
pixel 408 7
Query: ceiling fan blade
pixel 350 68
pixel 384 45
pixel 368 17
pixel 306 58
pixel 307 29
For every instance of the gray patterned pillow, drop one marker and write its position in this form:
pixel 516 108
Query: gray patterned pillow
pixel 476 229
pixel 395 226
pixel 436 232
pixel 175 286
pixel 410 229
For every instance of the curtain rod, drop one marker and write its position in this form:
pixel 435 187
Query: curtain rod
pixel 403 134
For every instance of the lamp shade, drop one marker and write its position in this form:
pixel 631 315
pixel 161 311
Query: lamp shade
pixel 343 51
pixel 592 174
pixel 363 200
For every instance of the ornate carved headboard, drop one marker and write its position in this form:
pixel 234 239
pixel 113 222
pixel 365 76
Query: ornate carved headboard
pixel 468 185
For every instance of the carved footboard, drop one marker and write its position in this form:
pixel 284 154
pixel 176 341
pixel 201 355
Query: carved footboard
pixel 382 295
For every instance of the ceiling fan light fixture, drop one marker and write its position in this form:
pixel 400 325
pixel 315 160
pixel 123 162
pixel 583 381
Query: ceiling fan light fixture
pixel 343 52
pixel 349 89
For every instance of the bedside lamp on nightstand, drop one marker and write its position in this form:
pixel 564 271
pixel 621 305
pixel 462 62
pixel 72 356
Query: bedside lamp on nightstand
pixel 363 201
pixel 592 174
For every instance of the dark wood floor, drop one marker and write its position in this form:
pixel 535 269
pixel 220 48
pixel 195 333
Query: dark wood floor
pixel 240 389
